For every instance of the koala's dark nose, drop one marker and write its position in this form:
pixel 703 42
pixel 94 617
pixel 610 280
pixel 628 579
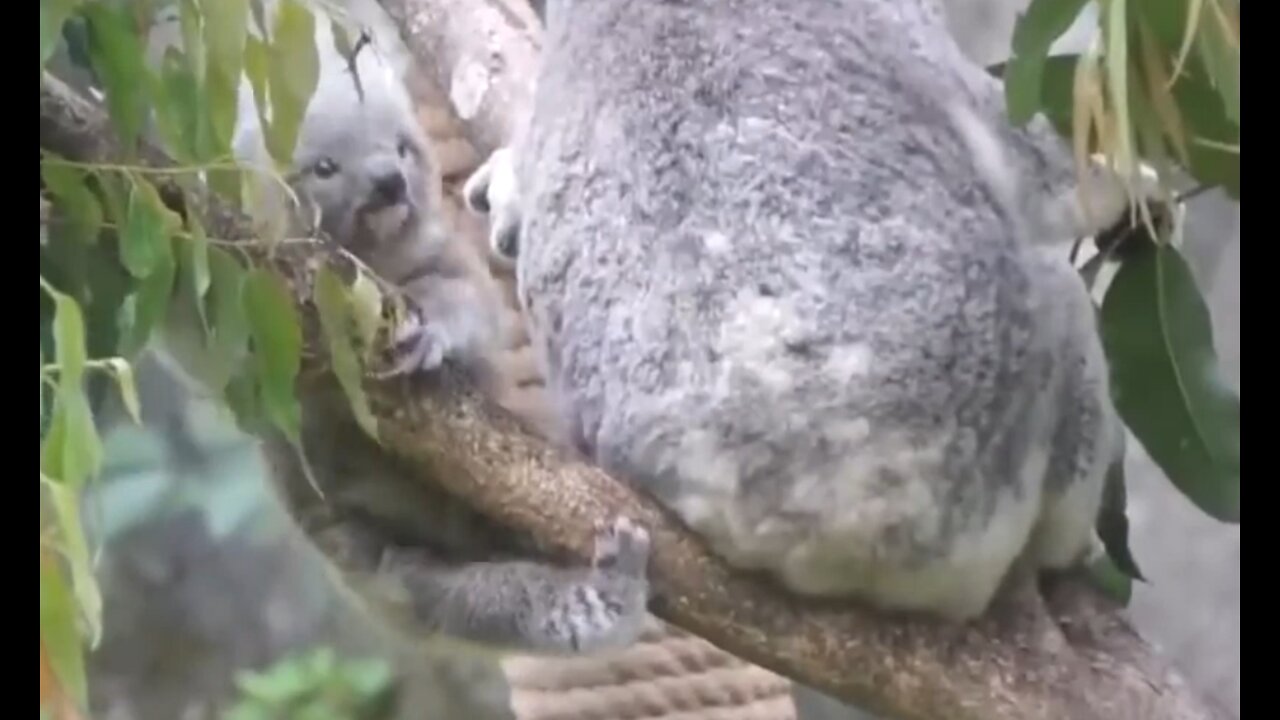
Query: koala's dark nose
pixel 389 188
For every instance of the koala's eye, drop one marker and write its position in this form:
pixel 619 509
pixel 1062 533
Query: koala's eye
pixel 404 148
pixel 326 168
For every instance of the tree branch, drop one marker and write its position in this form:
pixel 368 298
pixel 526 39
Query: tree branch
pixel 1085 662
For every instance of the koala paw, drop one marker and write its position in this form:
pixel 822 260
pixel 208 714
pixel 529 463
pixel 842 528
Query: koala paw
pixel 418 346
pixel 622 546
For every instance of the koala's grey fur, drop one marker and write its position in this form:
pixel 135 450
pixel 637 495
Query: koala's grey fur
pixel 790 271
pixel 417 557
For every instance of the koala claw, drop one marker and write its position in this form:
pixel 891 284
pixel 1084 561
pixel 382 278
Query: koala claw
pixel 622 545
pixel 418 347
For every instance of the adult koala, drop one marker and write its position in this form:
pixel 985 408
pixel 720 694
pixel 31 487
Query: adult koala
pixel 790 272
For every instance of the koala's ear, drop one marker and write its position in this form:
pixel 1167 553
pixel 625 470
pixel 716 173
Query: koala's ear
pixel 475 191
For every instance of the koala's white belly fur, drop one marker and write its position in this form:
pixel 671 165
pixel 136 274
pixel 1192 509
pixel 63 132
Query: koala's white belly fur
pixel 832 534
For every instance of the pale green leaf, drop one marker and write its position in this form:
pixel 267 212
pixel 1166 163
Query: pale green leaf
pixel 72 452
pixel 335 305
pixel 66 504
pixel 59 632
pixel 366 307
pixel 277 341
pixel 225 28
pixel 143 239
pixel 293 72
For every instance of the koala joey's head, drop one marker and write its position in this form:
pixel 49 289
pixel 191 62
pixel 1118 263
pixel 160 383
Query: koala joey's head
pixel 362 161
pixel 492 191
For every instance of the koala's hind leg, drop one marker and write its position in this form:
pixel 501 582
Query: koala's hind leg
pixel 520 606
pixel 424 590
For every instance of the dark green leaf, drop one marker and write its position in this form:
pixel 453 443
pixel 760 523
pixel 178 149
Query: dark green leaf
pixel 117 55
pixel 226 23
pixel 245 402
pixel 1166 380
pixel 1033 36
pixel 293 72
pixel 53 13
pixel 1201 105
pixel 1108 578
pixel 277 341
pixel 73 199
pixel 1113 522
pixel 1222 61
pixel 334 304
pixel 58 630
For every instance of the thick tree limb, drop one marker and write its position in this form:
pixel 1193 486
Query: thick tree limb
pixel 1083 661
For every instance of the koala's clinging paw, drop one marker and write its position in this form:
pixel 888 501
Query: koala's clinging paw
pixel 621 545
pixel 417 346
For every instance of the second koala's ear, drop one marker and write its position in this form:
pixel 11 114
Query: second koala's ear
pixel 475 192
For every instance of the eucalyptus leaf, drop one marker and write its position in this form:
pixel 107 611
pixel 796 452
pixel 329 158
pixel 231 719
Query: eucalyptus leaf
pixel 334 303
pixel 277 341
pixel 1033 36
pixel 1166 381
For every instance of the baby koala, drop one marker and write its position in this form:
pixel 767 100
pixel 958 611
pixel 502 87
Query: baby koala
pixel 418 558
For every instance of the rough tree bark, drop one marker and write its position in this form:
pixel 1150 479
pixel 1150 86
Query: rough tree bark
pixel 1075 656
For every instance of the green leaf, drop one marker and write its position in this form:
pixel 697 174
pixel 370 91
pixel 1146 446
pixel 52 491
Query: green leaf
pixel 72 451
pixel 150 303
pixel 66 504
pixel 117 55
pixel 1166 381
pixel 58 630
pixel 1222 61
pixel 226 24
pixel 293 72
pixel 277 340
pixel 230 325
pixel 1033 37
pixel 335 307
pixel 1111 581
pixel 243 398
pixel 53 13
pixel 1113 523
pixel 144 239
pixel 194 263
pixel 366 307
pixel 73 198
pixel 178 108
